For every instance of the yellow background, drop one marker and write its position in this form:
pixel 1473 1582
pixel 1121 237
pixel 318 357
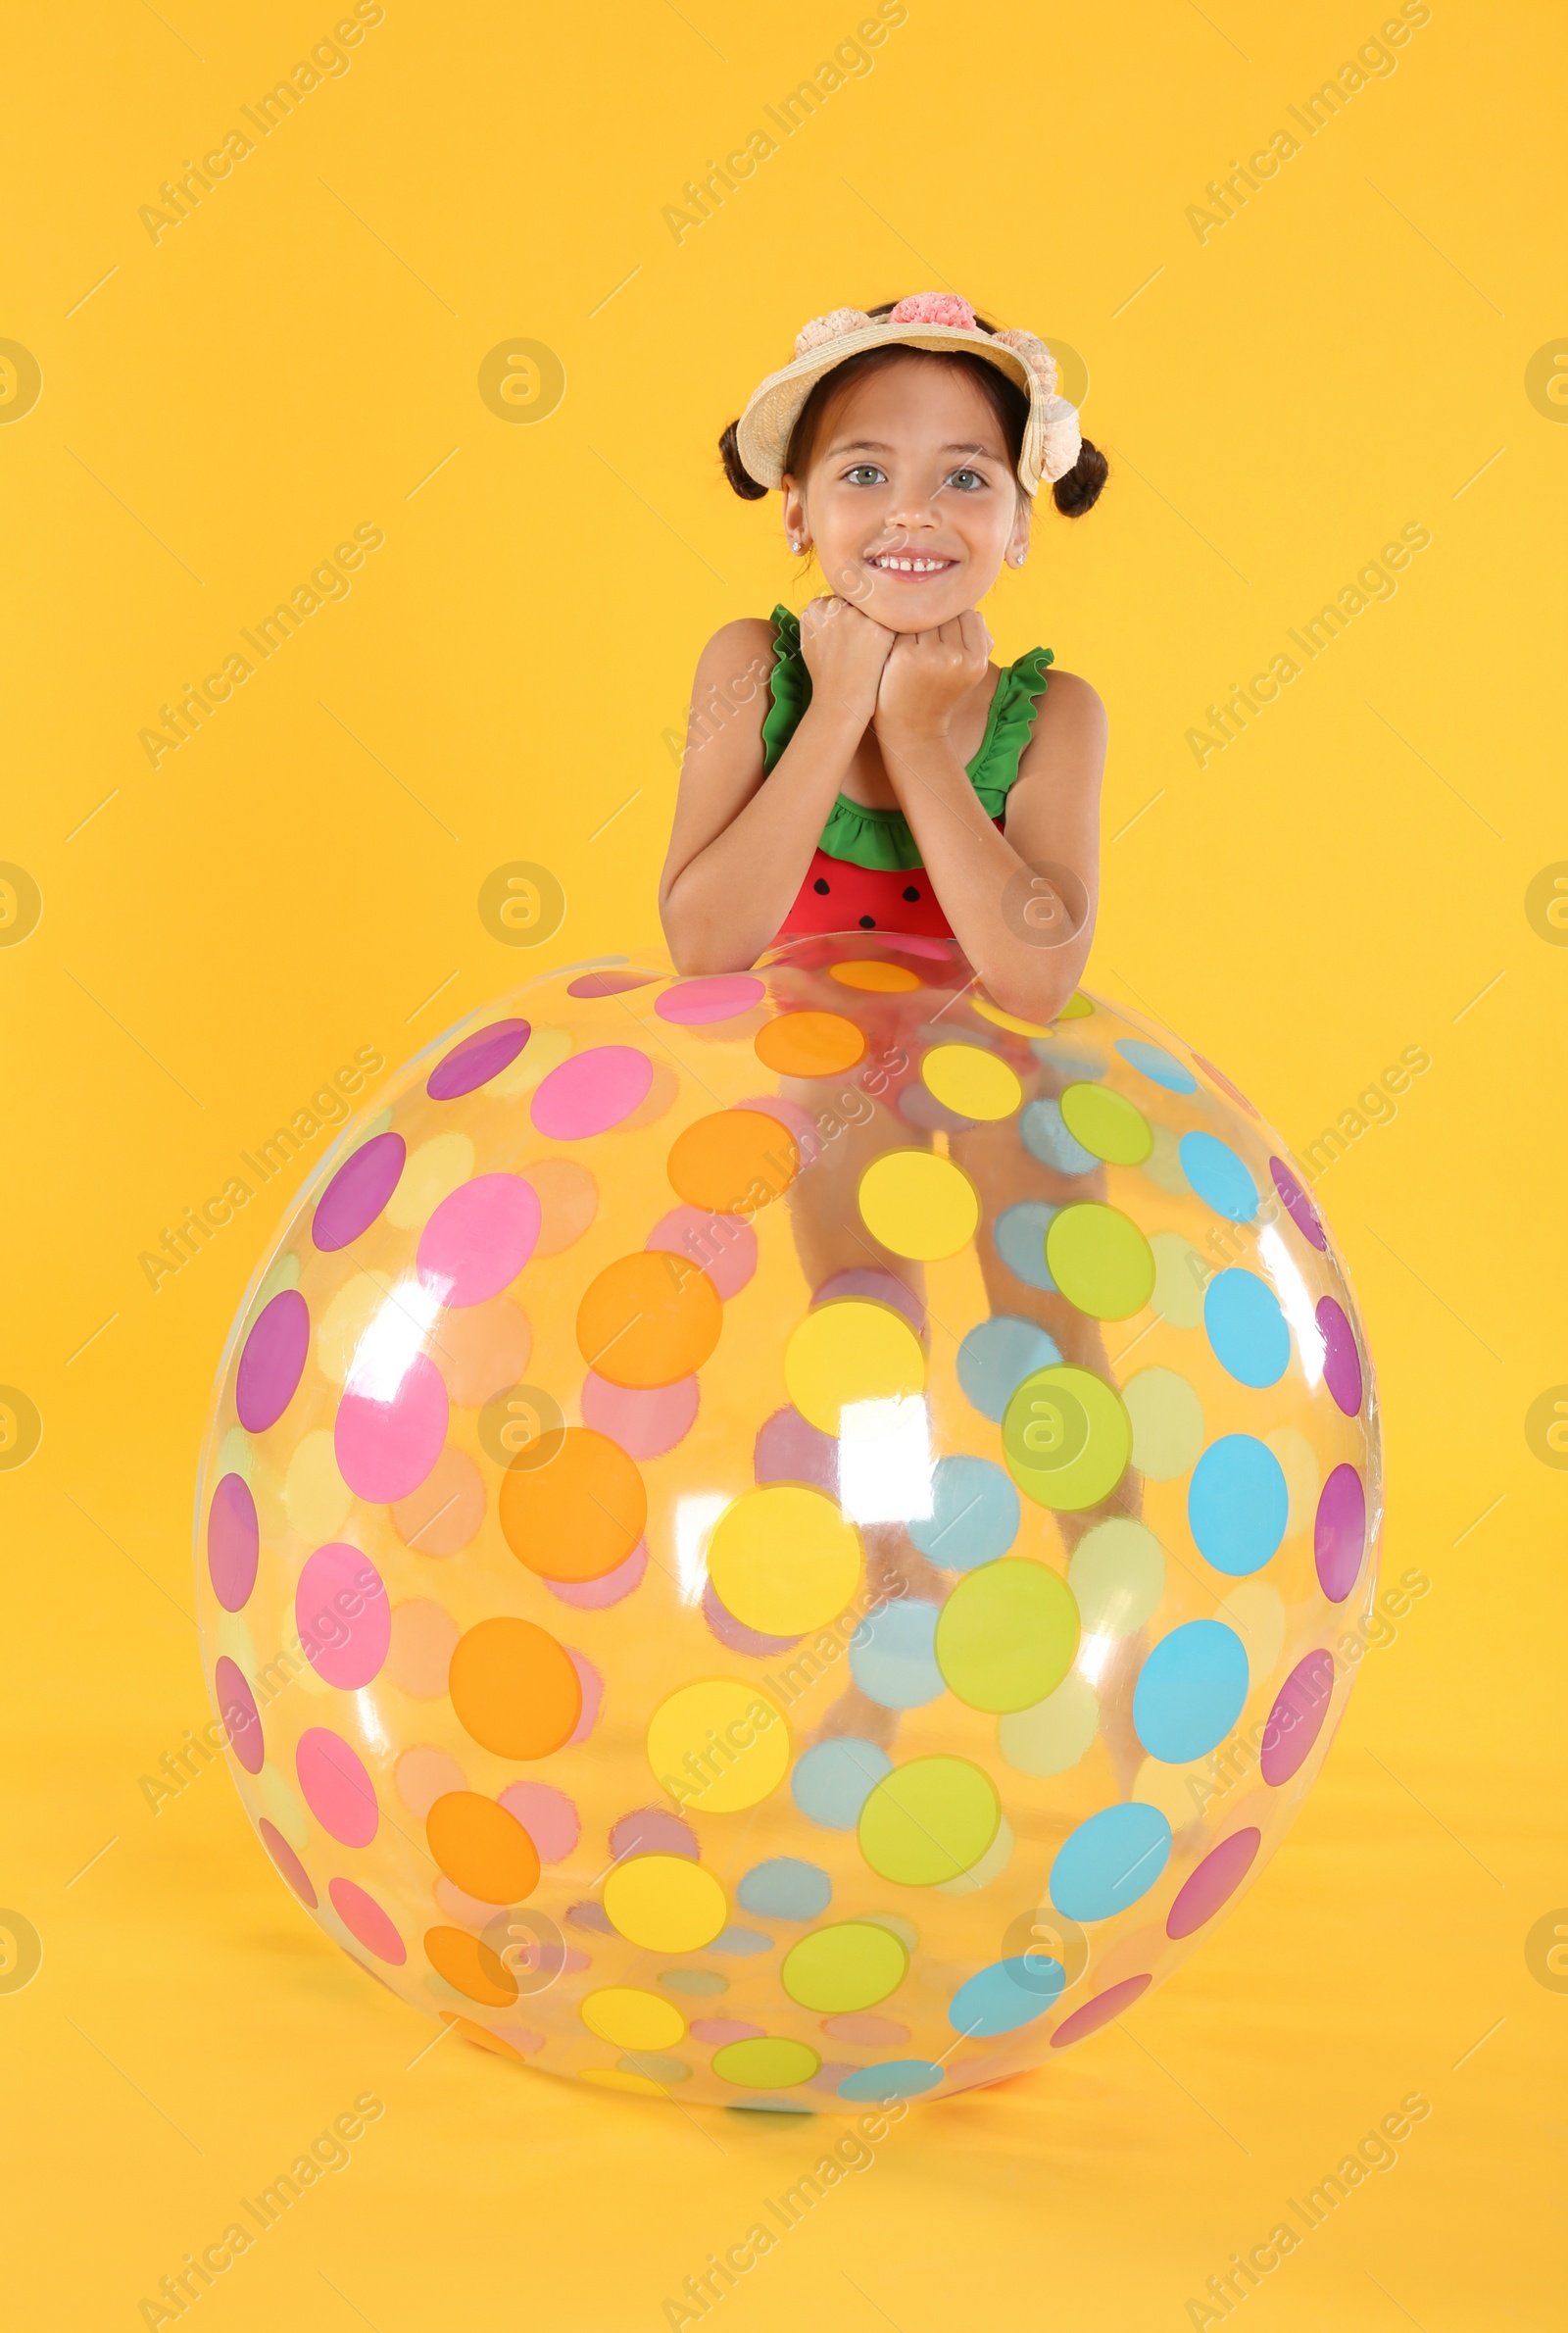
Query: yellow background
pixel 1346 356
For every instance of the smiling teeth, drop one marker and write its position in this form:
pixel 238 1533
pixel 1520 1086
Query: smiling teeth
pixel 911 567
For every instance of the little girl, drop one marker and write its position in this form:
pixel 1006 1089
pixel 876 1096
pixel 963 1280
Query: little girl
pixel 892 779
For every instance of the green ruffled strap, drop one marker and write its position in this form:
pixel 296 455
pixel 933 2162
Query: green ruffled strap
pixel 791 687
pixel 994 770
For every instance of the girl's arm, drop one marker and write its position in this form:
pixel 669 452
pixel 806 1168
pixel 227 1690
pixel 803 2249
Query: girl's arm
pixel 739 848
pixel 1027 935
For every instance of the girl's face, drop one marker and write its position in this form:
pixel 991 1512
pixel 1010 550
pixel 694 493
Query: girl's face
pixel 909 497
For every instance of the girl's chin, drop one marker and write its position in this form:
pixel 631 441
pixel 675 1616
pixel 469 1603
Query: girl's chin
pixel 898 609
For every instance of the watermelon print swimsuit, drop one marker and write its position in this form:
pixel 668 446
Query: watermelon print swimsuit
pixel 866 870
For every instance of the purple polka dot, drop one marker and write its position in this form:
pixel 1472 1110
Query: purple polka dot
pixel 358 1192
pixel 646 1423
pixel 590 1915
pixel 875 1287
pixel 365 1920
pixel 1101 2009
pixel 609 982
pixel 1342 1364
pixel 1214 1883
pixel 477 1059
pixel 597 1594
pixel 734 1633
pixel 547 1815
pixel 271 1363
pixel 233 1543
pixel 344 1616
pixel 1339 1534
pixel 789 1449
pixel 716 2031
pixel 593 1695
pixel 289 1862
pixel 236 1707
pixel 653 1830
pixel 1297 1718
pixel 386 1447
pixel 480 1238
pixel 339 1790
pixel 690 1004
pixel 591 1092
pixel 1302 1214
pixel 725 1246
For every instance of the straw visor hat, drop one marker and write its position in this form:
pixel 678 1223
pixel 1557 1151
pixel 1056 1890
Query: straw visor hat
pixel 938 320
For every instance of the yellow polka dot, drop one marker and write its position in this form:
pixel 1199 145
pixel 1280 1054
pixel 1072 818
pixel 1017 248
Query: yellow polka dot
pixel 432 1173
pixel 1256 1609
pixel 851 1352
pixel 666 1903
pixel 870 972
pixel 1298 1465
pixel 1008 1020
pixel 783 1559
pixel 1117 1574
pixel 918 1204
pixel 1167 1424
pixel 998 1855
pixel 315 1493
pixel 1163 1165
pixel 716 1746
pixel 610 2077
pixel 1180 1277
pixel 282 1805
pixel 1179 1792
pixel 1052 1736
pixel 974 1083
pixel 342 1323
pixel 237 1644
pixel 545 1051
pixel 634 2019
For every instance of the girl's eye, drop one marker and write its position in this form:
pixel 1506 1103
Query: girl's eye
pixel 966 480
pixel 865 474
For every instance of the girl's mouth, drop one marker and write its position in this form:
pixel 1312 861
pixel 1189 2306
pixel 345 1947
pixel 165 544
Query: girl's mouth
pixel 910 567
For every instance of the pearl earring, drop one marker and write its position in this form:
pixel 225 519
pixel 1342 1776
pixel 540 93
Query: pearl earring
pixel 1022 556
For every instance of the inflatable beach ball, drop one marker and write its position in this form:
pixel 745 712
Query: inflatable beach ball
pixel 782 1539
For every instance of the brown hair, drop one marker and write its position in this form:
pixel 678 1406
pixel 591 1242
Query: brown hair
pixel 1077 491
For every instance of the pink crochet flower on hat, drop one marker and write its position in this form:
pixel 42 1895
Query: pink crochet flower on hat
pixel 934 308
pixel 1035 354
pixel 831 326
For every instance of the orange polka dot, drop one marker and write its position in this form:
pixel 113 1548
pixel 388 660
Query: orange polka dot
pixel 733 1164
pixel 443 1515
pixel 660 1093
pixel 872 972
pixel 569 1201
pixel 470 1967
pixel 480 1349
pixel 809 1045
pixel 515 1690
pixel 579 1512
pixel 648 1320
pixel 481 1848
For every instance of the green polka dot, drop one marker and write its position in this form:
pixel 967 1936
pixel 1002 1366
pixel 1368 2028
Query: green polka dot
pixel 1006 1635
pixel 929 1820
pixel 1101 1260
pixel 1077 1008
pixel 853 1965
pixel 1117 1576
pixel 1180 1278
pixel 1051 1737
pixel 1107 1124
pixel 1066 1438
pixel 768 2062
pixel 1167 1424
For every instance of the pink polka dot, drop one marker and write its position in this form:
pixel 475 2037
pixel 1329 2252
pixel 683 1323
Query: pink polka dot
pixel 343 1615
pixel 592 1092
pixel 725 1246
pixel 790 1115
pixel 477 1060
pixel 1101 2009
pixel 271 1365
pixel 653 1830
pixel 233 1543
pixel 597 1594
pixel 364 1919
pixel 590 1915
pixel 387 1445
pixel 236 1707
pixel 715 2031
pixel 735 1634
pixel 289 1862
pixel 425 1775
pixel 593 1694
pixel 548 1815
pixel 611 982
pixel 1339 1533
pixel 864 2032
pixel 876 1287
pixel 358 1192
pixel 907 943
pixel 480 1238
pixel 1302 1214
pixel 790 1450
pixel 1342 1364
pixel 1214 1883
pixel 646 1423
pixel 691 1002
pixel 1297 1718
pixel 521 2038
pixel 337 1788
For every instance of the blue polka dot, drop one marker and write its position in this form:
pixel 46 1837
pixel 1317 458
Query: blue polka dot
pixel 1217 1174
pixel 1020 1237
pixel 744 1942
pixel 974 1515
pixel 1237 1504
pixel 994 1358
pixel 1189 1691
pixel 900 2077
pixel 785 1889
pixel 1007 1995
pixel 1155 1063
pixel 1108 1862
pixel 891 1655
pixel 1046 1138
pixel 1247 1329
pixel 832 1781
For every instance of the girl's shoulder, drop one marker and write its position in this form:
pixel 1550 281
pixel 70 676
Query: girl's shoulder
pixel 1069 703
pixel 747 645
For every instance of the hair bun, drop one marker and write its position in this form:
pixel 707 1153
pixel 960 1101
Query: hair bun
pixel 735 469
pixel 1079 489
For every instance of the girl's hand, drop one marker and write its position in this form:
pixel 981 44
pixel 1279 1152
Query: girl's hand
pixel 928 674
pixel 845 653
